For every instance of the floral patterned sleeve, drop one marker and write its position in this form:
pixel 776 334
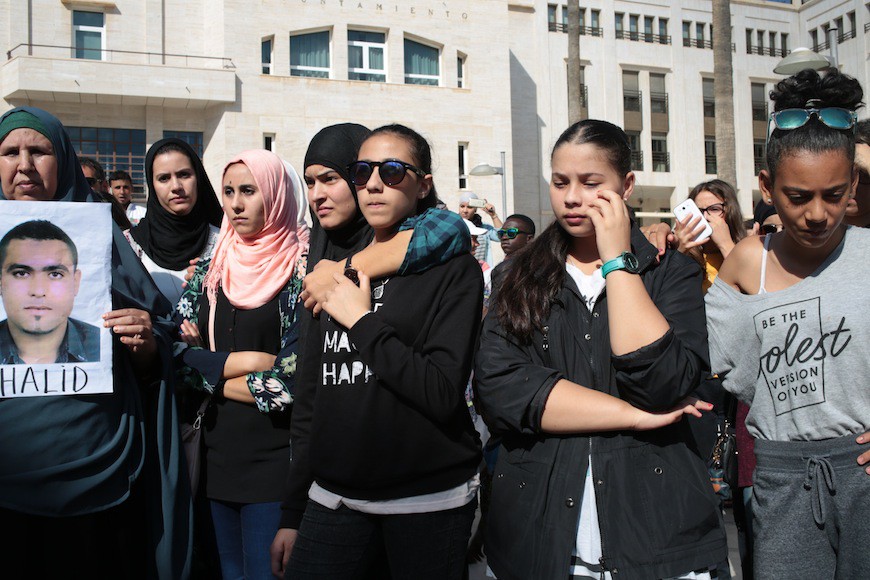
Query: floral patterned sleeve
pixel 202 369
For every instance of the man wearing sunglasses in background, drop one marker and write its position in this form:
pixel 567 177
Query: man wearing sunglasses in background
pixel 517 231
pixel 858 211
pixel 95 175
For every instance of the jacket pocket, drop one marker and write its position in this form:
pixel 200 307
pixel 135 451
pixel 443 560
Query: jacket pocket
pixel 514 518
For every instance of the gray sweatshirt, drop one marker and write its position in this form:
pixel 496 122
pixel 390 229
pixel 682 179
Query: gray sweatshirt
pixel 800 357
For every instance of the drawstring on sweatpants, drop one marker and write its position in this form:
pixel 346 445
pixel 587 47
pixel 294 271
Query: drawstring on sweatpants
pixel 819 467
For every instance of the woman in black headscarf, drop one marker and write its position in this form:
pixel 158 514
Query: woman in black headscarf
pixel 183 217
pixel 88 485
pixel 340 237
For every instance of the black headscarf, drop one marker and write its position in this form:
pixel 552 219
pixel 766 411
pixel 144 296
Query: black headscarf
pixel 148 451
pixel 336 147
pixel 173 241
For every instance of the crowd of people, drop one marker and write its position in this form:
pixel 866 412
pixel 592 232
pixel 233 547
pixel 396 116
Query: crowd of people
pixel 365 383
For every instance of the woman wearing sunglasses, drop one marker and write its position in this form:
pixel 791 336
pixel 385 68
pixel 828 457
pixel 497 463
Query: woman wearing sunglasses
pixel 718 203
pixel 789 335
pixel 392 448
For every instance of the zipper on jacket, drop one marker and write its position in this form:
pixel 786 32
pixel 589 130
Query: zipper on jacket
pixel 546 344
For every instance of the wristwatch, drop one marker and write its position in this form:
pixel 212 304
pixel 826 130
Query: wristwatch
pixel 350 272
pixel 624 261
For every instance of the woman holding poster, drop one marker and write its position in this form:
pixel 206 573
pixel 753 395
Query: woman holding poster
pixel 243 306
pixel 79 474
pixel 789 336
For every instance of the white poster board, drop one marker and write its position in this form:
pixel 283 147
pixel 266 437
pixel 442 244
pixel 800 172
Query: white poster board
pixel 55 286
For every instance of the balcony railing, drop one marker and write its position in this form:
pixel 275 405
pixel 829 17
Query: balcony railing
pixel 584 96
pixel 710 164
pixel 643 37
pixel 661 161
pixel 637 160
pixel 122 56
pixel 820 46
pixel 769 51
pixel 866 26
pixel 631 100
pixel 658 102
pixel 701 43
pixel 584 30
pixel 841 38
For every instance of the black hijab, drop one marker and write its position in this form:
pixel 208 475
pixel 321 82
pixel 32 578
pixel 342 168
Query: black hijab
pixel 171 240
pixel 336 147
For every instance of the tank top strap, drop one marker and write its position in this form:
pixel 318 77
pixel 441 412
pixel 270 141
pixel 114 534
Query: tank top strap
pixel 766 243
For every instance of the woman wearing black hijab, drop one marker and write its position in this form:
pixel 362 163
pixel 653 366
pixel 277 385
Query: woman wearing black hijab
pixel 340 237
pixel 183 217
pixel 93 486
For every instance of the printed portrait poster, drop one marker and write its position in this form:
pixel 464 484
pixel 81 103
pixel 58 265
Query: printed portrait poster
pixel 55 286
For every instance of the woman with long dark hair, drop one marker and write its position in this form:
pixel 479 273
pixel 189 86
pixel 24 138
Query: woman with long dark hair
pixel 587 356
pixel 789 337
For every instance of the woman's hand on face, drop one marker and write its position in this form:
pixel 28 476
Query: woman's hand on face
pixel 685 232
pixel 318 283
pixel 189 332
pixel 346 303
pixel 609 215
pixel 721 234
pixel 133 327
pixel 646 421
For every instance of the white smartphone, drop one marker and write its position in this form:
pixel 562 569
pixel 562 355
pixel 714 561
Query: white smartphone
pixel 476 202
pixel 689 207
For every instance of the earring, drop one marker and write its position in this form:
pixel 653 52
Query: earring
pixel 768 201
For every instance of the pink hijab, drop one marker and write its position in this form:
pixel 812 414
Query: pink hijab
pixel 253 271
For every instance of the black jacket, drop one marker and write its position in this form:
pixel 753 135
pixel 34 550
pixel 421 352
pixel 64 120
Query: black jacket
pixel 657 511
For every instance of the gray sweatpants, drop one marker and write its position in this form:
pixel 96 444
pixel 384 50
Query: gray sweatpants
pixel 812 510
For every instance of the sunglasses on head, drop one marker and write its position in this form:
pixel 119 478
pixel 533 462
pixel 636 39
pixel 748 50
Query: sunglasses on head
pixel 391 171
pixel 833 117
pixel 509 233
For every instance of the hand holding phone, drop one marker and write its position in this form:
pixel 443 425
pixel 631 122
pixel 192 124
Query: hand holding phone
pixel 690 209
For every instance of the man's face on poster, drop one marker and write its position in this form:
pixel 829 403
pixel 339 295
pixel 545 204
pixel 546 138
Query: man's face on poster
pixel 38 285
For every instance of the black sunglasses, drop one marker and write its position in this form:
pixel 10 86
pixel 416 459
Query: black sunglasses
pixel 510 233
pixel 92 181
pixel 770 228
pixel 392 171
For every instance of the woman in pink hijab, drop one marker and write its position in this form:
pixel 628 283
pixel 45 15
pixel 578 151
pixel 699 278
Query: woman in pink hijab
pixel 240 313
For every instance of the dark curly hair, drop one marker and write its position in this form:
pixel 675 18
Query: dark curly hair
pixel 808 89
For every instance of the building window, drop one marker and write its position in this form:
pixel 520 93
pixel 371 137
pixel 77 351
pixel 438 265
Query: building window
pixel 687 33
pixel 636 152
pixel 853 25
pixel 814 39
pixel 772 44
pixel 663 30
pixel 421 64
pixel 710 156
pixel 365 56
pixel 660 157
pixel 89 34
pixel 460 70
pixel 564 17
pixel 269 141
pixel 114 149
pixel 551 17
pixel 633 26
pixel 630 91
pixel 759 153
pixel 648 28
pixel 760 41
pixel 617 23
pixel 192 138
pixel 699 34
pixel 658 94
pixel 463 165
pixel 595 22
pixel 783 43
pixel 309 55
pixel 749 41
pixel 707 89
pixel 266 55
pixel 759 102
